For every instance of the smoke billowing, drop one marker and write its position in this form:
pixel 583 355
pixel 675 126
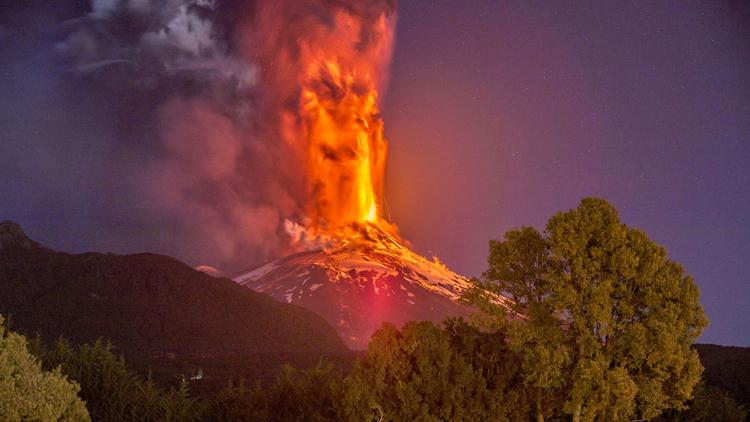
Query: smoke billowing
pixel 174 125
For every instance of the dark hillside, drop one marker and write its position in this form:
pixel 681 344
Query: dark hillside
pixel 153 308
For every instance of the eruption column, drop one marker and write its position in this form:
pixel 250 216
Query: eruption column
pixel 340 67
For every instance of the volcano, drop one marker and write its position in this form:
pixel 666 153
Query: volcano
pixel 352 267
pixel 360 279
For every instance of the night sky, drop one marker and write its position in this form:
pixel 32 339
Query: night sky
pixel 499 114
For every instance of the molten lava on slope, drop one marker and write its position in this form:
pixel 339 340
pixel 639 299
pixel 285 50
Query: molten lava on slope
pixel 361 280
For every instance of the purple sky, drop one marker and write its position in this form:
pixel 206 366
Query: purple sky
pixel 503 113
pixel 499 114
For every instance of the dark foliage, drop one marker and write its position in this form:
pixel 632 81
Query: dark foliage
pixel 709 403
pixel 317 394
pixel 427 373
pixel 112 391
pixel 728 368
pixel 421 372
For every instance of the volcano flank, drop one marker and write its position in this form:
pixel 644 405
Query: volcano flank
pixel 361 279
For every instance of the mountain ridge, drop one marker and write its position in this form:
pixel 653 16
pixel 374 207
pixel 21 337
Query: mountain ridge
pixel 148 305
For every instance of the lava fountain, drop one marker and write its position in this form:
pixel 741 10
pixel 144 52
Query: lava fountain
pixel 346 147
pixel 339 125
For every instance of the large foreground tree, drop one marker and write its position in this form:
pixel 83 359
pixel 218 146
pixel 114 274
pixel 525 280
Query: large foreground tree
pixel 606 321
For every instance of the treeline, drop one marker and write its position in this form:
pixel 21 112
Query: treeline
pixel 422 372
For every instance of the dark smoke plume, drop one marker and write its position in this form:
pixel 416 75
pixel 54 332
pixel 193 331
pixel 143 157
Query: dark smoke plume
pixel 167 115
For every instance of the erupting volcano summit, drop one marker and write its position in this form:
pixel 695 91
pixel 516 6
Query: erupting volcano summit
pixel 361 278
pixel 352 267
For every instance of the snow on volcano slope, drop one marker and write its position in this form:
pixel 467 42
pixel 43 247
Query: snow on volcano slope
pixel 359 285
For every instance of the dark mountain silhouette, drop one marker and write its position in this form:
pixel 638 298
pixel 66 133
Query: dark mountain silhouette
pixel 151 307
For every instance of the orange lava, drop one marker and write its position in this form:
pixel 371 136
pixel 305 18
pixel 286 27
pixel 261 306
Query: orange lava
pixel 342 128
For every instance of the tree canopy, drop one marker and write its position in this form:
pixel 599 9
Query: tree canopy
pixel 602 318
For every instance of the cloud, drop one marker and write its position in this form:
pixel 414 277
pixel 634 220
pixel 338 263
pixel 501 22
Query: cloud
pixel 160 125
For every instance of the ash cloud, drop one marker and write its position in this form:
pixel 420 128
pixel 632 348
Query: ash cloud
pixel 156 125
